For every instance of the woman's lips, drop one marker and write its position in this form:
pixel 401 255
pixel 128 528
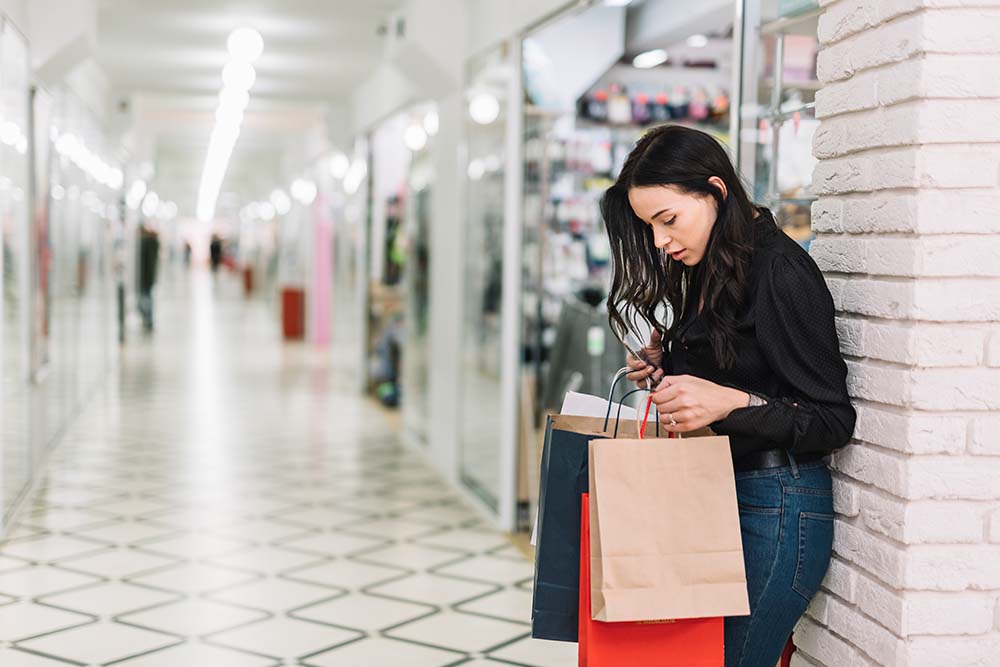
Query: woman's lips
pixel 676 255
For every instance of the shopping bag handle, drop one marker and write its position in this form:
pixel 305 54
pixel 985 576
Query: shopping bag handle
pixel 622 372
pixel 619 418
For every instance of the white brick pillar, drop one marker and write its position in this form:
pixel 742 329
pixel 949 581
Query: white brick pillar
pixel 908 225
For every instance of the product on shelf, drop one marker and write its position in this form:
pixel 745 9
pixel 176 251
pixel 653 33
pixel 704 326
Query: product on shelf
pixel 619 105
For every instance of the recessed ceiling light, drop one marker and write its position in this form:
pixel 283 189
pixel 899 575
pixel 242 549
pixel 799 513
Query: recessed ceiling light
pixel 617 3
pixel 650 59
pixel 238 75
pixel 697 41
pixel 245 44
pixel 484 108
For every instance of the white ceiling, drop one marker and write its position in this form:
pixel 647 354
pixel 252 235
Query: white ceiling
pixel 166 56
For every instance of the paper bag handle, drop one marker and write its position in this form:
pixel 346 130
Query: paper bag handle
pixel 622 372
pixel 618 419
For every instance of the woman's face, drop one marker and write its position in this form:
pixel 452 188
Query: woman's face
pixel 681 222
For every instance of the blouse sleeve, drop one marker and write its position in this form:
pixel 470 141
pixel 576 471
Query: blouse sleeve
pixel 795 329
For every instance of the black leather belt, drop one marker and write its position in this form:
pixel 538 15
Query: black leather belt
pixel 772 458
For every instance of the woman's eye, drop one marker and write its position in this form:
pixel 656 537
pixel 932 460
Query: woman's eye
pixel 670 221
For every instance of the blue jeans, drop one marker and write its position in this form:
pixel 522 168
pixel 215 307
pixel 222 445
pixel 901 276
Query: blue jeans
pixel 786 517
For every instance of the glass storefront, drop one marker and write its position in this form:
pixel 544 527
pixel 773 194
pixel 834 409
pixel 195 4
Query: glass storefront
pixel 778 89
pixel 56 227
pixel 15 302
pixel 584 112
pixel 488 79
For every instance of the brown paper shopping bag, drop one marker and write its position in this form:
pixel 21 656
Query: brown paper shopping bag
pixel 665 530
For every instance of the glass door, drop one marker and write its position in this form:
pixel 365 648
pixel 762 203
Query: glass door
pixel 778 120
pixel 481 418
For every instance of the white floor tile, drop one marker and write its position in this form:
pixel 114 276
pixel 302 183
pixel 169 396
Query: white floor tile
pixel 192 654
pixel 40 580
pixel 265 559
pixel 50 548
pixel 117 563
pixel 511 604
pixel 124 532
pixel 194 617
pixel 13 658
pixel 423 587
pixel 462 632
pixel 285 638
pixel 195 545
pixel 364 612
pixel 538 653
pixel 62 518
pixel 275 594
pixel 332 544
pixel 379 651
pixel 109 599
pixel 194 578
pixel 21 620
pixel 346 574
pixel 395 529
pixel 99 643
pixel 410 556
pixel 462 539
pixel 491 569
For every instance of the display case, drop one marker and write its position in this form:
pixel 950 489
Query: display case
pixel 778 87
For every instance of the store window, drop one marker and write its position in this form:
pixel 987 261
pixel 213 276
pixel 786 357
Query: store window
pixel 778 87
pixel 15 311
pixel 488 79
pixel 646 64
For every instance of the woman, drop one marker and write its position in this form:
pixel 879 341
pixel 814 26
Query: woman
pixel 752 352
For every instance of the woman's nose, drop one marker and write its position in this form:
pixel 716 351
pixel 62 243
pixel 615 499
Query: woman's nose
pixel 661 240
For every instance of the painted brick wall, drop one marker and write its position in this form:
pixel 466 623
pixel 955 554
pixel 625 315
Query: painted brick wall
pixel 908 225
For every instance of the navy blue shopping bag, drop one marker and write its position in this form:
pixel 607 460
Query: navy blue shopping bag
pixel 565 476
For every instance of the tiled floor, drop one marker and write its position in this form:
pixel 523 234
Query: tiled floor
pixel 228 502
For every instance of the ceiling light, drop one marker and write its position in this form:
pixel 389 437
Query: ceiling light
pixel 617 3
pixel 432 122
pixel 476 169
pixel 282 204
pixel 484 108
pixel 650 59
pixel 304 191
pixel 150 204
pixel 339 164
pixel 415 137
pixel 234 98
pixel 266 211
pixel 229 116
pixel 238 75
pixel 245 44
pixel 697 41
pixel 138 190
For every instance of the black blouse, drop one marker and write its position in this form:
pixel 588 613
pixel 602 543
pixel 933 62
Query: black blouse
pixel 787 353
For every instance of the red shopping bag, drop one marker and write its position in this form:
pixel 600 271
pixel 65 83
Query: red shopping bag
pixel 696 642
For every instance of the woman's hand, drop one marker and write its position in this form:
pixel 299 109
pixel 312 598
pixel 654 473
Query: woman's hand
pixel 686 403
pixel 640 369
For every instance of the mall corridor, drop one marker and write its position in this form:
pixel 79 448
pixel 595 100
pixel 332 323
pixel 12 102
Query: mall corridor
pixel 227 500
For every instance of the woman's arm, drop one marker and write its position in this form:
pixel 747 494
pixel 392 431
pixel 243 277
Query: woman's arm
pixel 794 315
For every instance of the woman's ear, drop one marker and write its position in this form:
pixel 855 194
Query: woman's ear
pixel 719 185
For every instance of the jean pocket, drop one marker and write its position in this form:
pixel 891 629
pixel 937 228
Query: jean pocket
pixel 815 549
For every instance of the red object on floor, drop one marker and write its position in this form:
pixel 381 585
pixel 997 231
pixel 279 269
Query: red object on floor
pixel 293 301
pixel 692 642
pixel 248 280
pixel 786 656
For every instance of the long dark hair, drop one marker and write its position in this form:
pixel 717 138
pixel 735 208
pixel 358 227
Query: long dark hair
pixel 643 277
